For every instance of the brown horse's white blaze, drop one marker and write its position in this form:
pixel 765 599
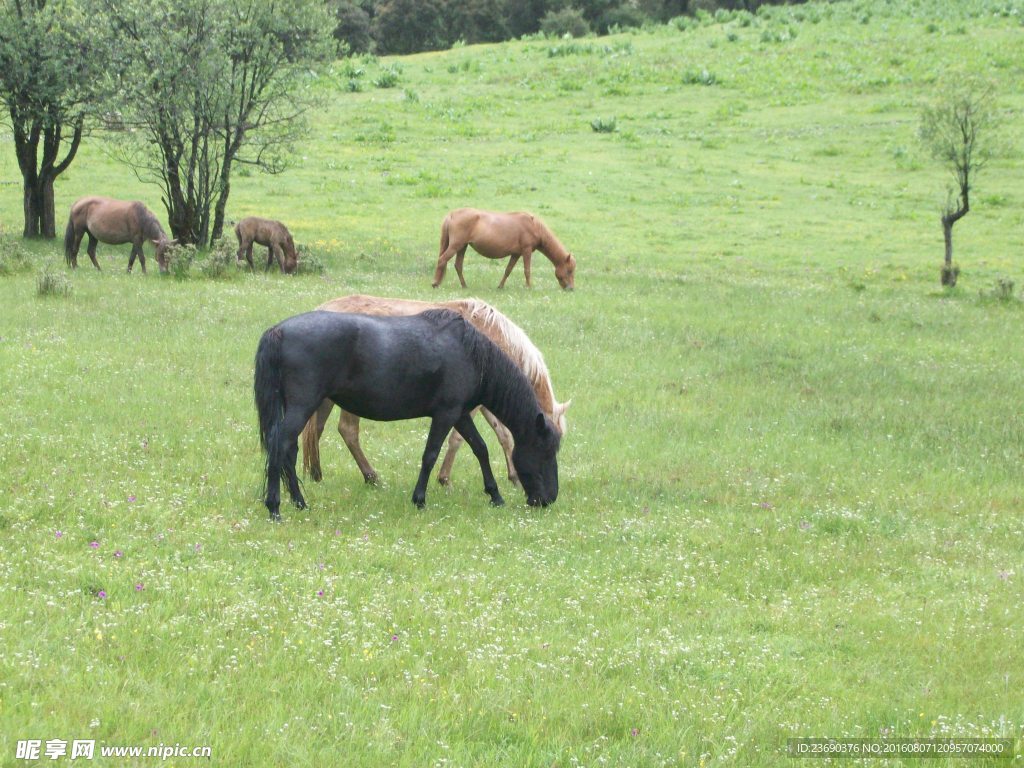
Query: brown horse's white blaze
pixel 269 233
pixel 509 337
pixel 498 235
pixel 114 222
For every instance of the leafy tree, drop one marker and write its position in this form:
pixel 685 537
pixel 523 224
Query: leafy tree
pixel 407 26
pixel 956 131
pixel 209 84
pixel 352 27
pixel 49 74
pixel 477 21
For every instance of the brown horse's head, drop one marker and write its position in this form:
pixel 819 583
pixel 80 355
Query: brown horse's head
pixel 566 273
pixel 162 246
pixel 291 256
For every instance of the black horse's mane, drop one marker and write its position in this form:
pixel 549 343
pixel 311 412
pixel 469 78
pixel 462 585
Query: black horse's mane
pixel 505 384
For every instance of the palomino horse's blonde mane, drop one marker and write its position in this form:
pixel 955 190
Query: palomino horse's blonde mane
pixel 497 327
pixel 514 341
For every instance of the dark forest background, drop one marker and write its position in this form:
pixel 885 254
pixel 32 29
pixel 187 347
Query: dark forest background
pixel 408 26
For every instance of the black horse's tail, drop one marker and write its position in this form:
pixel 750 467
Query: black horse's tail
pixel 269 392
pixel 69 239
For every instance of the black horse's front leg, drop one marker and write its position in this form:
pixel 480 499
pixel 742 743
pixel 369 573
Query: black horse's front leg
pixel 439 429
pixel 469 432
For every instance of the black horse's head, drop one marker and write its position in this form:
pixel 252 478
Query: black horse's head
pixel 536 463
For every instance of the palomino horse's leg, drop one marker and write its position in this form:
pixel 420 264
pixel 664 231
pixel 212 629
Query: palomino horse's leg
pixel 459 258
pixel 507 443
pixel 440 425
pixel 92 250
pixel 311 443
pixel 348 427
pixel 508 270
pixel 468 431
pixel 455 441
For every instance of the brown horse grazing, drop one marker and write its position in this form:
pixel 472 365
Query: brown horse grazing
pixel 114 222
pixel 274 235
pixel 507 335
pixel 497 235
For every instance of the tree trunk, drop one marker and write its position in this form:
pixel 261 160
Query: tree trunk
pixel 40 217
pixel 949 272
pixel 222 202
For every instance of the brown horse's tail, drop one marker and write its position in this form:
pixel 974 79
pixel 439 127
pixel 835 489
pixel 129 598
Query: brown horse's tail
pixel 311 449
pixel 445 225
pixel 69 239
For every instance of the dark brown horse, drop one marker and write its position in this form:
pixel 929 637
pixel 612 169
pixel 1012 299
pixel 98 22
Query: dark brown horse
pixel 114 222
pixel 497 235
pixel 272 234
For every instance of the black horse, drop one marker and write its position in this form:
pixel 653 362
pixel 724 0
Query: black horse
pixel 389 368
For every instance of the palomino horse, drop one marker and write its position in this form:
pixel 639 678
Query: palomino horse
pixel 114 222
pixel 389 368
pixel 274 235
pixel 497 235
pixel 509 337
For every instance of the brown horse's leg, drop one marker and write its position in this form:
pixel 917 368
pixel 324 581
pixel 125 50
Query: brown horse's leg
pixel 92 250
pixel 142 257
pixel 270 258
pixel 75 245
pixel 348 426
pixel 505 438
pixel 442 262
pixel 526 267
pixel 508 270
pixel 459 258
pixel 244 250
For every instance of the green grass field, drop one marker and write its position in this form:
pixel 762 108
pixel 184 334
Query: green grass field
pixel 791 494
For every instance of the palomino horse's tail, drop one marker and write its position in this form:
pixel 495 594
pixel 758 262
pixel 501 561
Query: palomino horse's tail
pixel 269 393
pixel 69 239
pixel 311 449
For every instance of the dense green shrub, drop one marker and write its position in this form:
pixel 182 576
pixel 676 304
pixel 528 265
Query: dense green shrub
pixel 567 21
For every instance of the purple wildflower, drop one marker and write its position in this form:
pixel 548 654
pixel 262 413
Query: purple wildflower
pixel 58 534
pixel 118 553
pixel 139 587
pixel 102 594
pixel 131 498
pixel 94 544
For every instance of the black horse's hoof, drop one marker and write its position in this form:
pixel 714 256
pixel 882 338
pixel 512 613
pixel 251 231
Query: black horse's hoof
pixel 299 503
pixel 371 478
pixel 275 516
pixel 497 501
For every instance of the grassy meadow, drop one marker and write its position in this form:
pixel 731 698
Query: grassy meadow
pixel 791 493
